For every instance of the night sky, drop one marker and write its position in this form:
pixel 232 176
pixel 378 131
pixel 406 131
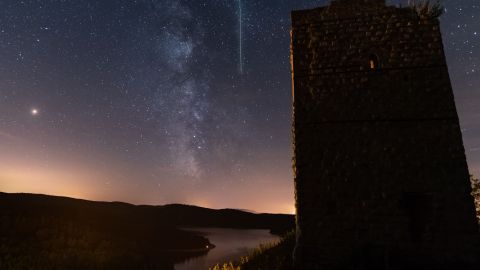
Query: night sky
pixel 165 101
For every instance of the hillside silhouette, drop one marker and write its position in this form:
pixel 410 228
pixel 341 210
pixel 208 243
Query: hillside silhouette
pixel 49 232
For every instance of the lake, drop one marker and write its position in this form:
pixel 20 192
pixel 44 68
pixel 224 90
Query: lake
pixel 231 244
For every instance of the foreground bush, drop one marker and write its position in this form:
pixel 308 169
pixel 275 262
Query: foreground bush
pixel 276 256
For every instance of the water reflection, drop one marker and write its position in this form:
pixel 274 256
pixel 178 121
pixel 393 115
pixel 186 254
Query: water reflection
pixel 231 244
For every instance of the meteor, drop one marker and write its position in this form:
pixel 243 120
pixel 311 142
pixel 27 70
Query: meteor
pixel 240 36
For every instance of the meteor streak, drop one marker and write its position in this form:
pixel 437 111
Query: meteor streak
pixel 240 36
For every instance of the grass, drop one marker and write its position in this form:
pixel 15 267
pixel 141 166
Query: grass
pixel 427 8
pixel 270 256
pixel 476 194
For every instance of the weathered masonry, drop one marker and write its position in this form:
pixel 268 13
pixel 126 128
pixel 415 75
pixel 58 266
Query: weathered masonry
pixel 381 176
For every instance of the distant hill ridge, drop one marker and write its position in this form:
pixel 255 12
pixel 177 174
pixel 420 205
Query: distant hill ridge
pixel 170 215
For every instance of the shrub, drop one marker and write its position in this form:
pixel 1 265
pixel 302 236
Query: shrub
pixel 427 8
pixel 476 194
pixel 269 256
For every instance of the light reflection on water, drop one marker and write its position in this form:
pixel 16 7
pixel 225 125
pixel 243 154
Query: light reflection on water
pixel 231 244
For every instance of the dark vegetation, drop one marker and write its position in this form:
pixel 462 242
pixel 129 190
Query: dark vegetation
pixel 476 194
pixel 276 256
pixel 427 8
pixel 46 232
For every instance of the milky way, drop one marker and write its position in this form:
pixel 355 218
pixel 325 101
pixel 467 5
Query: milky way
pixel 160 101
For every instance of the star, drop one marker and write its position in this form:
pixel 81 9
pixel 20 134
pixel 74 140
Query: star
pixel 171 99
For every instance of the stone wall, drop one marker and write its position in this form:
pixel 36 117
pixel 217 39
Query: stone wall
pixel 381 178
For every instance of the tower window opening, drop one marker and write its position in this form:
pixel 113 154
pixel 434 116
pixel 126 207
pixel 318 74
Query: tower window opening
pixel 374 63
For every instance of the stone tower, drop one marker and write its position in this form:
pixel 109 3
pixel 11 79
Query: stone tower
pixel 381 179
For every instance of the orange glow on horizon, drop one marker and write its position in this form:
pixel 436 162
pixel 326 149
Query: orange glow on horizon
pixel 43 182
pixel 73 176
pixel 73 183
